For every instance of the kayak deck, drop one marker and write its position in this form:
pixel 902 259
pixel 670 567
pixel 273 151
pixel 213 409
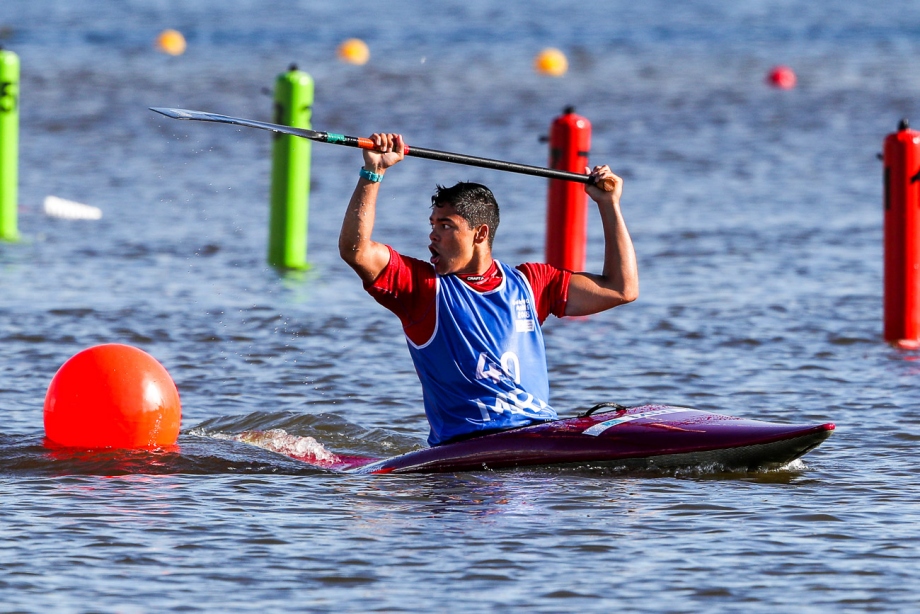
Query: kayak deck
pixel 643 437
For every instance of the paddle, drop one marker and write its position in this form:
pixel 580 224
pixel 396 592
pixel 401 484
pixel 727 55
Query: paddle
pixel 362 143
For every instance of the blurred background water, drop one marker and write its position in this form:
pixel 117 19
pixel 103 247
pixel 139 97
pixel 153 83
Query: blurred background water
pixel 756 215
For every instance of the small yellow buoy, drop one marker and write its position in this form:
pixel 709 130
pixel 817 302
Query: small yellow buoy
pixel 354 51
pixel 171 42
pixel 551 62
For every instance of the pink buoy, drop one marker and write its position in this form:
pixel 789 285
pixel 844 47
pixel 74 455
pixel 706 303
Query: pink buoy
pixel 781 77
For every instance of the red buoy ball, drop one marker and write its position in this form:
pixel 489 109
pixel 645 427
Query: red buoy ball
pixel 112 396
pixel 781 77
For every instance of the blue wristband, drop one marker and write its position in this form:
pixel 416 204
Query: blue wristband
pixel 372 177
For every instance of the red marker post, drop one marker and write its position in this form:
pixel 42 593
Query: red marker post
pixel 567 206
pixel 901 159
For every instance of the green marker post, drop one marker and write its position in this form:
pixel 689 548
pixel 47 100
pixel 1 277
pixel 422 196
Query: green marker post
pixel 290 186
pixel 9 144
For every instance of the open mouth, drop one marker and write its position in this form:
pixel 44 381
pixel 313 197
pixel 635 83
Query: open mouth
pixel 435 256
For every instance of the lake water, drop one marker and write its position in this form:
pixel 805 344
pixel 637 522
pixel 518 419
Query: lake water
pixel 756 215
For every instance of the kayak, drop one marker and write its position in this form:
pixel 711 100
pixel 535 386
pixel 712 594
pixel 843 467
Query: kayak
pixel 610 435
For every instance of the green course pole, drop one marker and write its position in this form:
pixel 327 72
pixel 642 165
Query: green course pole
pixel 9 144
pixel 290 189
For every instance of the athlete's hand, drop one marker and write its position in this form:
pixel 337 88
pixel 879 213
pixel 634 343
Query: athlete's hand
pixel 602 175
pixel 388 150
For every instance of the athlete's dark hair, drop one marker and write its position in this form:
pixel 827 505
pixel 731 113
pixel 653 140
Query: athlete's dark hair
pixel 474 202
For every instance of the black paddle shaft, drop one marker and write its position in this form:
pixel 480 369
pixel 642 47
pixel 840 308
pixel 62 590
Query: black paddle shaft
pixel 499 165
pixel 363 143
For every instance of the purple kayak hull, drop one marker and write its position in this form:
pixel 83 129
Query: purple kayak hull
pixel 647 437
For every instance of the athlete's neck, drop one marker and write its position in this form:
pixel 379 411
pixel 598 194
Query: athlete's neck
pixel 486 280
pixel 476 265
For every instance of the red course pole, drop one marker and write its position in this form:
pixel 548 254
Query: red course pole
pixel 567 203
pixel 901 158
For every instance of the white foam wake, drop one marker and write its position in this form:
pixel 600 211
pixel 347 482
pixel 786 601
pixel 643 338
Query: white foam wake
pixel 277 440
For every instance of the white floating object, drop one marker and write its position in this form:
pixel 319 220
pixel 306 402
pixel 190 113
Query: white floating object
pixel 70 210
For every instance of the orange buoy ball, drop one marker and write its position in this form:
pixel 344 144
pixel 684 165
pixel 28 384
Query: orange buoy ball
pixel 171 42
pixel 112 396
pixel 781 77
pixel 354 51
pixel 551 62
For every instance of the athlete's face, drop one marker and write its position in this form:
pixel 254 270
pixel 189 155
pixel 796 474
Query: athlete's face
pixel 452 241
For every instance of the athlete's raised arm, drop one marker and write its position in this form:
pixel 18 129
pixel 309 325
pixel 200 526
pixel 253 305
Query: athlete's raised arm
pixel 619 282
pixel 367 257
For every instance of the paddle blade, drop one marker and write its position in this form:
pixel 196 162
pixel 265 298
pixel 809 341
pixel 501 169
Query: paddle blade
pixel 204 116
pixel 175 113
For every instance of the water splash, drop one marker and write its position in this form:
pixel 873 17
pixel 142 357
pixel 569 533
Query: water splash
pixel 306 449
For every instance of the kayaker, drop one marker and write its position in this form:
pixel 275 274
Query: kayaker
pixel 472 323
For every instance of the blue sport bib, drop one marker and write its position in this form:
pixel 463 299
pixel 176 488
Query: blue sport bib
pixel 484 368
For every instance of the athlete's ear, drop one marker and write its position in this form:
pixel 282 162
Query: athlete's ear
pixel 482 234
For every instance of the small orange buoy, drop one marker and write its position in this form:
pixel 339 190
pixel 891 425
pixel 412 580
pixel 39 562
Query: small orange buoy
pixel 551 62
pixel 781 77
pixel 112 396
pixel 354 51
pixel 171 42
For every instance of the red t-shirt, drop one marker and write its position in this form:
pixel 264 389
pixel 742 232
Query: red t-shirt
pixel 406 286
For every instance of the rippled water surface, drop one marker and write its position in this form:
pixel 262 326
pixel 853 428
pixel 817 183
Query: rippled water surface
pixel 756 215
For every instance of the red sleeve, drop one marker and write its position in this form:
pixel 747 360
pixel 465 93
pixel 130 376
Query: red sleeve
pixel 550 288
pixel 407 287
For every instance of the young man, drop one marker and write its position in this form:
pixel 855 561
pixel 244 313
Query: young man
pixel 473 323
